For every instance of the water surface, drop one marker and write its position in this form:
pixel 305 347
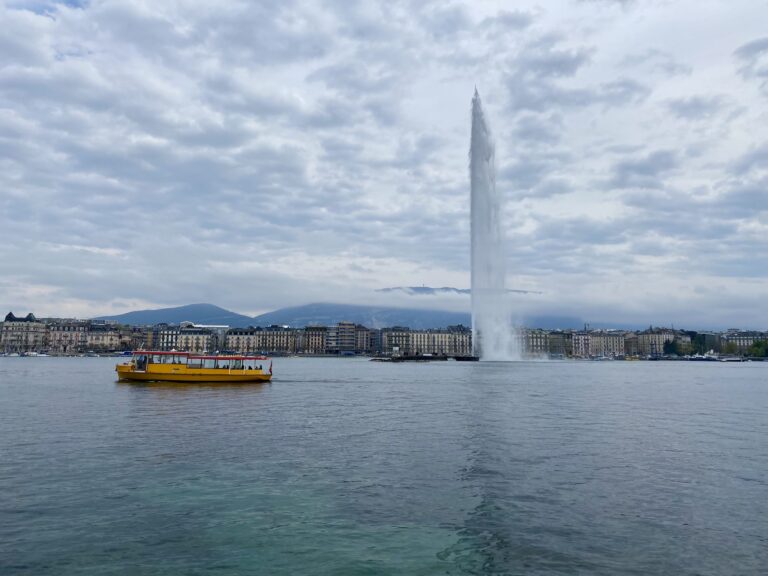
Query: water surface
pixel 344 466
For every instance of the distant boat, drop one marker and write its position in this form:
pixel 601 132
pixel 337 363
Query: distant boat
pixel 156 366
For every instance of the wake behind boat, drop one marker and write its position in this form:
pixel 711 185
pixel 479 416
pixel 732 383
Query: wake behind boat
pixel 155 366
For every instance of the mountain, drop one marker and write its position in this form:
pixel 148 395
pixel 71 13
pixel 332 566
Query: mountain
pixel 432 291
pixel 325 314
pixel 371 316
pixel 197 313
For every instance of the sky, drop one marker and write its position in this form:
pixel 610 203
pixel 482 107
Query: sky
pixel 257 155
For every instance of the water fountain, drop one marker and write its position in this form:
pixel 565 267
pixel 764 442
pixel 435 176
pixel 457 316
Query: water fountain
pixel 492 335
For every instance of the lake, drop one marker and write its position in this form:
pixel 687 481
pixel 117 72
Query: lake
pixel 347 467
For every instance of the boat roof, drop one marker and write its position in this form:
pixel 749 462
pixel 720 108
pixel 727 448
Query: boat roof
pixel 229 357
pixel 201 357
pixel 162 352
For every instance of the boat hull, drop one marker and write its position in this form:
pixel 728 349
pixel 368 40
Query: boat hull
pixel 175 373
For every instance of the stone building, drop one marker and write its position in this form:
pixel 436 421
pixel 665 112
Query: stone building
pixel 740 340
pixel 68 336
pixel 451 341
pixel 535 342
pixel 581 344
pixel 313 340
pixel 364 340
pixel 441 342
pixel 195 339
pixel 102 337
pixel 651 342
pixel 560 343
pixel 630 344
pixel 25 334
pixel 606 344
pixel 269 340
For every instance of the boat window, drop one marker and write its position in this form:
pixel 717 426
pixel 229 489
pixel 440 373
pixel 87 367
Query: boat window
pixel 195 362
pixel 209 363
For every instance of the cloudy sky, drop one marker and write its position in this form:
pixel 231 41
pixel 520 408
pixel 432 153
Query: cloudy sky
pixel 264 154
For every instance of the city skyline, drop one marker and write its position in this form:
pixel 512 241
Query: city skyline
pixel 269 156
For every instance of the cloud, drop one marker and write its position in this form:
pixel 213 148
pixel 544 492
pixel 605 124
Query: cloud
pixel 539 78
pixel 266 154
pixel 753 60
pixel 696 107
pixel 644 172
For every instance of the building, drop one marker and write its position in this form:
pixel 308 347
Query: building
pixel 342 338
pixel 396 341
pixel 535 342
pixel 133 338
pixel 269 340
pixel 630 344
pixel 452 341
pixel 25 334
pixel 402 341
pixel 102 337
pixel 560 343
pixel 364 340
pixel 165 337
pixel 739 341
pixel 651 342
pixel 313 340
pixel 606 344
pixel 581 344
pixel 195 339
pixel 68 336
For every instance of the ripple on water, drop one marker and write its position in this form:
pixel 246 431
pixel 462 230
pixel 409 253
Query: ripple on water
pixel 347 466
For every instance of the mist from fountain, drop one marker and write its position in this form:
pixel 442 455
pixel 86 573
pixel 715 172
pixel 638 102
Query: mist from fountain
pixel 492 334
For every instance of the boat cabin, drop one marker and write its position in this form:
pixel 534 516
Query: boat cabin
pixel 143 358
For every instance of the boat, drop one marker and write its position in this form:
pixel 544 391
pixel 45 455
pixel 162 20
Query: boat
pixel 156 366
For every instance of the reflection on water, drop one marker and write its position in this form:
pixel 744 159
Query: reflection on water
pixel 344 466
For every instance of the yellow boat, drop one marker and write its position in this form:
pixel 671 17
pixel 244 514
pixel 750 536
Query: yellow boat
pixel 154 366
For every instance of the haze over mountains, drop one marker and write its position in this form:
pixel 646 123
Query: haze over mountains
pixel 326 314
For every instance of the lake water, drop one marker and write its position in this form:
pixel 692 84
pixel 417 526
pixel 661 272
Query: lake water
pixel 344 467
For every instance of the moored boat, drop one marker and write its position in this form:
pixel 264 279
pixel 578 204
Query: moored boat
pixel 156 366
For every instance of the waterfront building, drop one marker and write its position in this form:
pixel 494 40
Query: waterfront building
pixel 196 339
pixel 402 341
pixel 341 338
pixel 581 344
pixel 535 342
pixel 707 342
pixel 630 344
pixel 606 344
pixel 166 337
pixel 396 341
pixel 133 338
pixel 68 336
pixel 651 342
pixel 740 340
pixel 364 340
pixel 269 340
pixel 453 341
pixel 25 334
pixel 560 343
pixel 313 340
pixel 102 337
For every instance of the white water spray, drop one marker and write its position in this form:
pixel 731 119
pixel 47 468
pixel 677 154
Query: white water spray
pixel 492 335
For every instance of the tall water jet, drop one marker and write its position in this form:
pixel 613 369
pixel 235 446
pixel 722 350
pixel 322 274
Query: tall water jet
pixel 491 321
